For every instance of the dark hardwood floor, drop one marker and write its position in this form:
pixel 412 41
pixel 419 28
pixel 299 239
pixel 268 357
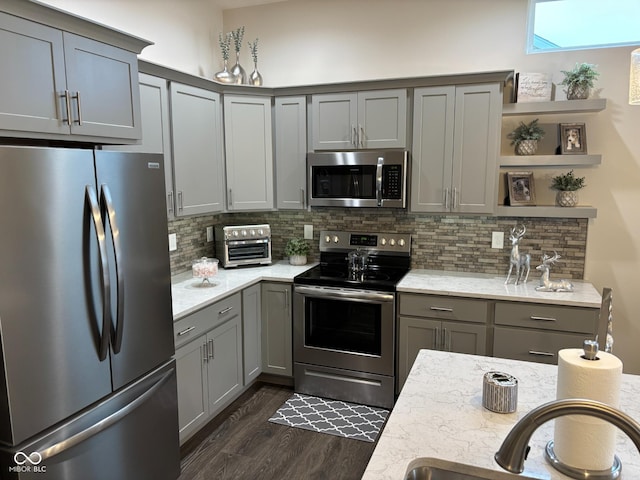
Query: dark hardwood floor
pixel 242 443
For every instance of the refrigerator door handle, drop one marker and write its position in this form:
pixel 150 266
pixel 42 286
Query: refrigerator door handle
pixel 107 204
pixel 105 423
pixel 92 200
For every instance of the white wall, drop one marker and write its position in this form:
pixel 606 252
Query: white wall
pixel 322 41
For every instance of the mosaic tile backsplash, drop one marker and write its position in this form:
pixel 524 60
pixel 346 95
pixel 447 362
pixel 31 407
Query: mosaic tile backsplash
pixel 455 243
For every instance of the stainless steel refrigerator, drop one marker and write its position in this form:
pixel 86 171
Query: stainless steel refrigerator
pixel 87 380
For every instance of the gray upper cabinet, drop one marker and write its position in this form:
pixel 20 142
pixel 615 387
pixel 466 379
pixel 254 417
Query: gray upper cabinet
pixel 455 148
pixel 371 119
pixel 198 160
pixel 72 87
pixel 154 107
pixel 249 152
pixel 291 152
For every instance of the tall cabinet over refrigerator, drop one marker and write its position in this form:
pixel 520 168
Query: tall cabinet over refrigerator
pixel 87 380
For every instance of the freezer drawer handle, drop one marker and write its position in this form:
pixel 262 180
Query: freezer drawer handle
pixel 107 204
pixel 105 423
pixel 92 200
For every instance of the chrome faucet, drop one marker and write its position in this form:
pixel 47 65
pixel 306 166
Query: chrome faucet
pixel 515 447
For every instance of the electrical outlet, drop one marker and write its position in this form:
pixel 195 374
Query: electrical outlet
pixel 497 239
pixel 173 242
pixel 209 234
pixel 308 232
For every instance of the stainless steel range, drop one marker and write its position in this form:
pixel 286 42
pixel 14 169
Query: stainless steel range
pixel 344 314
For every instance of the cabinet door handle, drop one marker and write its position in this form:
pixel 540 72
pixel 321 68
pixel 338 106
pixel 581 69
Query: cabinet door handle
pixel 446 198
pixel 455 198
pixel 230 197
pixel 211 352
pixel 180 200
pixel 542 319
pixel 77 97
pixel 541 354
pixel 360 136
pixel 436 339
pixel 286 298
pixel 441 309
pixel 203 350
pixel 67 102
pixel 225 310
pixel 303 197
pixel 170 202
pixel 186 330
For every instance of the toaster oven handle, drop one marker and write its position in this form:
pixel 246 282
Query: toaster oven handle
pixel 379 181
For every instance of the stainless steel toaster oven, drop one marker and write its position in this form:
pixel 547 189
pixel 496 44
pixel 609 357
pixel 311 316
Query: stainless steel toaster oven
pixel 243 245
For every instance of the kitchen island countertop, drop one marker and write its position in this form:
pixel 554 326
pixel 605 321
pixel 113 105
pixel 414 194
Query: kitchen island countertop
pixel 188 296
pixel 478 285
pixel 439 414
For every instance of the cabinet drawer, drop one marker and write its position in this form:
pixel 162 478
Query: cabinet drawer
pixel 533 345
pixel 448 308
pixel 548 317
pixel 203 320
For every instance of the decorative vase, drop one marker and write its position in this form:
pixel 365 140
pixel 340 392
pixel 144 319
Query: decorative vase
pixel 527 147
pixel 225 76
pixel 578 92
pixel 238 71
pixel 565 198
pixel 298 259
pixel 255 78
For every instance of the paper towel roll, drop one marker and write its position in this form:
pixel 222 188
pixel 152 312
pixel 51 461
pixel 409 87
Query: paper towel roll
pixel 580 441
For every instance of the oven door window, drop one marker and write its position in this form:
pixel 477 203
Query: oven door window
pixel 244 251
pixel 355 181
pixel 343 326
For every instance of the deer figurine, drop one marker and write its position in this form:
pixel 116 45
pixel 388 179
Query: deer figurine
pixel 547 285
pixel 522 261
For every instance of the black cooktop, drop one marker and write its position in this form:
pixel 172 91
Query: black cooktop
pixel 381 274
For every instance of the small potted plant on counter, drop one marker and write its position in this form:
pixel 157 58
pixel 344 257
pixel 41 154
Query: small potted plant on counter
pixel 579 81
pixel 525 137
pixel 567 185
pixel 297 250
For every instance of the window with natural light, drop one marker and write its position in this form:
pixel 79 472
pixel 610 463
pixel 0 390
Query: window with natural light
pixel 579 24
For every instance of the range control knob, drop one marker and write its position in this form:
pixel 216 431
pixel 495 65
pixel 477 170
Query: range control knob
pixel 235 233
pixel 336 239
pixel 401 242
pixel 253 233
pixel 383 241
pixel 392 242
pixel 261 232
pixel 244 233
pixel 327 239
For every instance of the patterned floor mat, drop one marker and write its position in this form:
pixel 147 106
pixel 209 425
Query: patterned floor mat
pixel 343 419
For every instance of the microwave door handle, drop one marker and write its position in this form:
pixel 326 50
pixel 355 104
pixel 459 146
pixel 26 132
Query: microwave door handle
pixel 379 181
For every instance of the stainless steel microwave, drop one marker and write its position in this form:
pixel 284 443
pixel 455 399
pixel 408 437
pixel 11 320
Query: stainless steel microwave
pixel 358 179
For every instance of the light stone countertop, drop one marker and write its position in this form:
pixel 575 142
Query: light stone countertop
pixel 477 285
pixel 188 296
pixel 439 414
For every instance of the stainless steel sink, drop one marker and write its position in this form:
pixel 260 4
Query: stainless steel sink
pixel 437 469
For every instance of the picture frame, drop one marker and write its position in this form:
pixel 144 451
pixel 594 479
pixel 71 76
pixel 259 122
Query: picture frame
pixel 573 139
pixel 521 188
pixel 533 87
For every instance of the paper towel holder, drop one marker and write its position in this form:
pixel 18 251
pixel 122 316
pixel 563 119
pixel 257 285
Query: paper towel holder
pixel 591 349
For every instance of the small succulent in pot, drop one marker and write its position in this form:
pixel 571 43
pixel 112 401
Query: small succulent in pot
pixel 525 137
pixel 580 80
pixel 297 250
pixel 567 184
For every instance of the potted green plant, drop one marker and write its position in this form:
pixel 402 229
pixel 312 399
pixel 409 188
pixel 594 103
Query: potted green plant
pixel 297 250
pixel 579 81
pixel 525 137
pixel 567 185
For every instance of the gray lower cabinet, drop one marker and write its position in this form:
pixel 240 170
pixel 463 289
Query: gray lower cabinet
pixel 208 362
pixel 535 332
pixel 59 85
pixel 456 131
pixel 439 323
pixel 277 347
pixel 252 332
pixel 198 158
pixel 291 152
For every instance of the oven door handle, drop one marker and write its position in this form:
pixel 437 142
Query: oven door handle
pixel 355 295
